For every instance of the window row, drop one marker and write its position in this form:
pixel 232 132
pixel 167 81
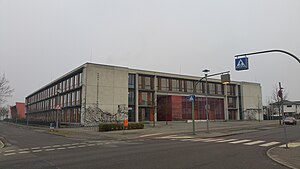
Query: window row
pixel 68 84
pixel 179 85
pixel 69 99
pixel 72 115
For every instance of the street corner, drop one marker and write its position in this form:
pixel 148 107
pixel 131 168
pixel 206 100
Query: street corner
pixel 287 155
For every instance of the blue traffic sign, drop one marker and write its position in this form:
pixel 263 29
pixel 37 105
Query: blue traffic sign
pixel 192 98
pixel 241 63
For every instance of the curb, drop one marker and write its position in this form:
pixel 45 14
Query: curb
pixel 1 144
pixel 278 160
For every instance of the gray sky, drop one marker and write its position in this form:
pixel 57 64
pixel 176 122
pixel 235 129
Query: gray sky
pixel 41 40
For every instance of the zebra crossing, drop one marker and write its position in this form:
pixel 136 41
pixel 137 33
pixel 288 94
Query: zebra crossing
pixel 49 148
pixel 233 141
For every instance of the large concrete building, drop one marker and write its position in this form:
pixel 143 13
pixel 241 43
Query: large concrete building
pixel 144 95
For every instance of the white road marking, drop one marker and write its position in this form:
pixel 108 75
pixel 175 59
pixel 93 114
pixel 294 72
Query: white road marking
pixel 47 147
pixel 147 135
pixel 291 145
pixel 24 149
pixel 35 151
pixel 211 140
pixel 239 141
pixel 197 139
pixel 223 141
pixel 56 146
pixel 74 144
pixel 61 148
pixel 170 136
pixel 66 144
pixel 91 144
pixel 71 147
pixel 34 148
pixel 253 143
pixel 269 144
pixel 24 152
pixel 83 146
pixel 8 151
pixel 50 149
pixel 8 154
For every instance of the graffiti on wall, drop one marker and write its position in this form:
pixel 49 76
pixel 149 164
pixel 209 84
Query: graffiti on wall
pixel 95 115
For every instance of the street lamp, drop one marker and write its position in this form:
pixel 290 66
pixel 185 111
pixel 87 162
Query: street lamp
pixel 206 71
pixel 225 78
pixel 57 106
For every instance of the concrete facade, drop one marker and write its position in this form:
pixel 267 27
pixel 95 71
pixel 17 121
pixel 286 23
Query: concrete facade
pixel 252 101
pixel 94 93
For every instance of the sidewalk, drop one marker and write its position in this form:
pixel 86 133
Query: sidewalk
pixel 289 157
pixel 216 129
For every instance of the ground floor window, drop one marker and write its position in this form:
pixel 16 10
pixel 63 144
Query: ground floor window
pixel 180 108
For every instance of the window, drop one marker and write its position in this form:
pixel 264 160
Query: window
pixel 145 82
pixel 189 86
pixel 67 84
pixel 73 98
pixel 212 88
pixel 231 90
pixel 164 84
pixel 63 86
pixel 75 81
pixel 78 97
pixel 199 88
pixel 131 97
pixel 71 82
pixel 131 81
pixel 231 102
pixel 148 83
pixel 175 85
pixel 146 98
pixel 219 90
pixel 80 79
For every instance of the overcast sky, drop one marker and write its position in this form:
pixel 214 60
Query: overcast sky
pixel 41 40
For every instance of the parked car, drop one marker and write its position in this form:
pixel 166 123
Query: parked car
pixel 290 120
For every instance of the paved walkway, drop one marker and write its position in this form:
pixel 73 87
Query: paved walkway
pixel 216 129
pixel 289 157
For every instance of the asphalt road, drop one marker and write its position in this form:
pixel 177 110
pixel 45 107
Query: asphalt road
pixel 35 149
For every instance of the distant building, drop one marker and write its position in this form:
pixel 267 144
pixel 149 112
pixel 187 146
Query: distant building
pixel 290 108
pixel 18 111
pixel 79 96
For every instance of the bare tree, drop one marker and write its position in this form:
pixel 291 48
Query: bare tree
pixel 274 96
pixel 3 112
pixel 275 100
pixel 5 89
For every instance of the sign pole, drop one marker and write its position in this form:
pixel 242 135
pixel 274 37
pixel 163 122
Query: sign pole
pixel 280 94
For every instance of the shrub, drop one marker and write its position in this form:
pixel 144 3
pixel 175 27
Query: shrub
pixel 119 126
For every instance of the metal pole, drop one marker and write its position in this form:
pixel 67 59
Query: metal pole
pixel 268 51
pixel 193 114
pixel 226 104
pixel 206 104
pixel 57 103
pixel 282 112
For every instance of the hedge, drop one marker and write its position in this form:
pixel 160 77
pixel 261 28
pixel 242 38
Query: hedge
pixel 119 126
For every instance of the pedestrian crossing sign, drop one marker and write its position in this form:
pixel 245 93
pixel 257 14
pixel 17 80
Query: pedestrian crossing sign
pixel 241 63
pixel 191 98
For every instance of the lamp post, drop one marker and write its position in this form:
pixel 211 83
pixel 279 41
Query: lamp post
pixel 206 99
pixel 225 78
pixel 57 107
